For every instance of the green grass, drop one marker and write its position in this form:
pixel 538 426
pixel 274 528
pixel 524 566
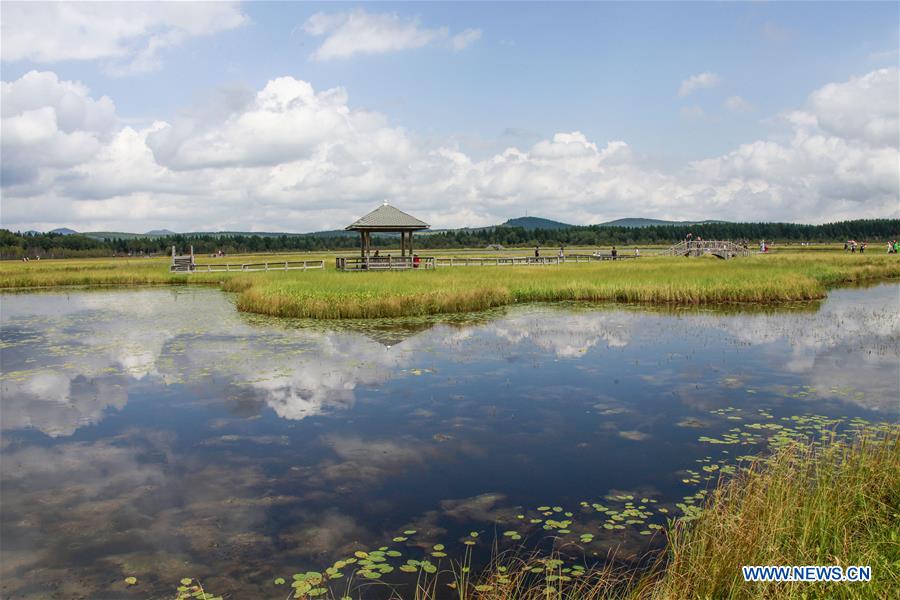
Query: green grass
pixel 789 275
pixel 837 504
pixel 762 279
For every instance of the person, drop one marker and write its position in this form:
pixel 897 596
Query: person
pixel 846 246
pixel 862 247
pixel 561 253
pixel 416 261
pixel 537 251
pixel 762 245
pixel 615 253
pixel 637 252
pixel 376 254
pixel 852 247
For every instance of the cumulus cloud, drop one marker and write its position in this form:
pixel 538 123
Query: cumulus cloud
pixel 697 82
pixel 301 159
pixel 841 159
pixel 50 123
pixel 361 32
pixel 864 108
pixel 128 34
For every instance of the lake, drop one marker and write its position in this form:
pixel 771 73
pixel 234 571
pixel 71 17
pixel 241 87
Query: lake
pixel 159 433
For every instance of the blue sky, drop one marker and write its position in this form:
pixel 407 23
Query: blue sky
pixel 608 71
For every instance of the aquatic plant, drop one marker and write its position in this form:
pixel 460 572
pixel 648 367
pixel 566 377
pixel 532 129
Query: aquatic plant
pixel 825 495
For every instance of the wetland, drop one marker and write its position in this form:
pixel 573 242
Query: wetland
pixel 161 434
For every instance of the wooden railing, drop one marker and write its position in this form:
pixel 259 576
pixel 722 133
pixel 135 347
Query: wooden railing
pixel 383 263
pixel 497 261
pixel 721 248
pixel 598 256
pixel 285 265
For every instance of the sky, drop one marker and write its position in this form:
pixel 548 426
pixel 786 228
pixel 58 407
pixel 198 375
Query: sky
pixel 299 117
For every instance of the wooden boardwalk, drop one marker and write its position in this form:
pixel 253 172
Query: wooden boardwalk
pixel 402 263
pixel 383 263
pixel 286 265
pixel 185 264
pixel 723 249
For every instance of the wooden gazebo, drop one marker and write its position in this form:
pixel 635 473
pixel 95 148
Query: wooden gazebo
pixel 386 219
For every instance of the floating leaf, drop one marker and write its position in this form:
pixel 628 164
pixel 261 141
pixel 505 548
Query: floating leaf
pixel 133 580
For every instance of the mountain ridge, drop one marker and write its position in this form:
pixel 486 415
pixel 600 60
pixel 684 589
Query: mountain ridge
pixel 528 223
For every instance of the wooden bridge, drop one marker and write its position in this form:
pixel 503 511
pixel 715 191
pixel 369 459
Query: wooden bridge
pixel 186 264
pixel 723 249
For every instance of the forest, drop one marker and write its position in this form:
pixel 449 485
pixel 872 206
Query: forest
pixel 15 245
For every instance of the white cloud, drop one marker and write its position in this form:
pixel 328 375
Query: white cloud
pixel 360 32
pixel 49 123
pixel 463 40
pixel 737 104
pixel 864 108
pixel 298 159
pixel 697 82
pixel 128 34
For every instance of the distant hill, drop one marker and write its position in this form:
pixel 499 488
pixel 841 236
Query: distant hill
pixel 531 223
pixel 637 222
pixel 526 223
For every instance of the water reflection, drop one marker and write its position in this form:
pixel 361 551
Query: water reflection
pixel 158 432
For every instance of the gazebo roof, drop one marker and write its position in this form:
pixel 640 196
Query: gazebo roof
pixel 388 217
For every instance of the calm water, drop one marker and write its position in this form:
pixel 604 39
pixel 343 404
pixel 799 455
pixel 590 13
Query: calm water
pixel 161 434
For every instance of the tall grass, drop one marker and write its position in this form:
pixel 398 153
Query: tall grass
pixel 806 505
pixel 332 295
pixel 328 294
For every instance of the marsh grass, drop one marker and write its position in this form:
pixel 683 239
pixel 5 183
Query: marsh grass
pixel 759 279
pixel 808 504
pixel 781 277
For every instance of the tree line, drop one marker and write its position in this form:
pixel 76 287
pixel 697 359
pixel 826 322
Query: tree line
pixel 53 245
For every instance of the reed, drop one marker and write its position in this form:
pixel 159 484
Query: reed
pixel 763 279
pixel 781 277
pixel 837 504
